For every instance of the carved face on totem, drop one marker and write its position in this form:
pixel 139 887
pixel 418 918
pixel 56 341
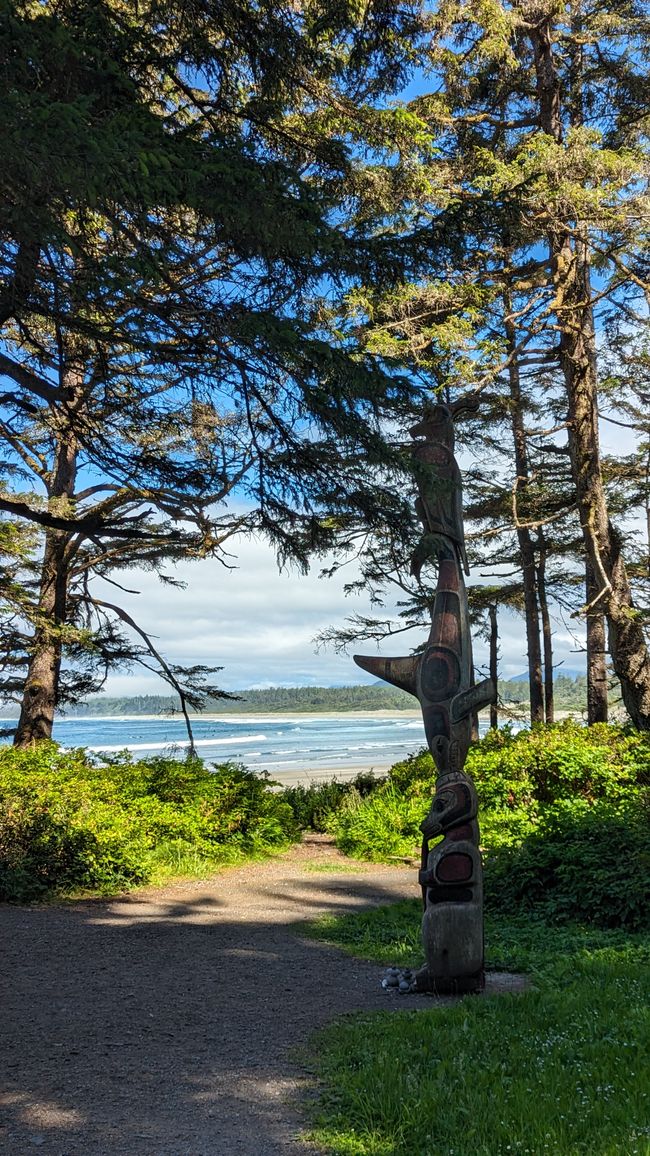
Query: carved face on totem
pixel 437 426
pixel 454 803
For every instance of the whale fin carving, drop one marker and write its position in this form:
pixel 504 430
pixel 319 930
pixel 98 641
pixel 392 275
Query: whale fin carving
pixel 401 672
pixel 473 699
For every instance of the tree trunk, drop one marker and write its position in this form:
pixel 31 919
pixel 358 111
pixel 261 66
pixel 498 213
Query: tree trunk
pixel 42 682
pixel 613 595
pixel 494 663
pixel 547 634
pixel 647 509
pixel 597 694
pixel 573 309
pixel 41 691
pixel 525 541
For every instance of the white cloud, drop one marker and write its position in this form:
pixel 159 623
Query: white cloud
pixel 259 625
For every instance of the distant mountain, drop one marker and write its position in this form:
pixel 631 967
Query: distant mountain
pixel 559 672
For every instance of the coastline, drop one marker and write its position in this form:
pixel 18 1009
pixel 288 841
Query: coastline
pixel 292 747
pixel 250 716
pixel 222 717
pixel 513 713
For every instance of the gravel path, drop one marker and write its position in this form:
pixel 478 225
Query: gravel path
pixel 163 1024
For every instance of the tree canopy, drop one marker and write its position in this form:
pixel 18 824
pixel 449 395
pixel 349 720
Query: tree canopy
pixel 531 149
pixel 233 264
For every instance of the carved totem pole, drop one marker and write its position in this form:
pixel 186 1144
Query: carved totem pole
pixel 442 679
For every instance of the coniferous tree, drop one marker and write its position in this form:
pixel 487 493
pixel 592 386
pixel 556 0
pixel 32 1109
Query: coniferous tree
pixel 167 215
pixel 538 124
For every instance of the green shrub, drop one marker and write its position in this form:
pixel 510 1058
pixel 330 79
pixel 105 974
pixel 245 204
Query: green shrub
pixel 383 826
pixel 414 775
pixel 566 761
pixel 543 765
pixel 315 805
pixel 499 765
pixel 506 826
pixel 517 776
pixel 562 817
pixel 584 864
pixel 55 840
pixel 68 823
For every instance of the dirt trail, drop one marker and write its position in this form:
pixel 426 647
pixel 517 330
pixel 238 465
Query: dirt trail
pixel 163 1024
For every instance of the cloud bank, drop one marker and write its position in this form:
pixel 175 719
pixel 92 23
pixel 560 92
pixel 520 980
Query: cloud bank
pixel 259 625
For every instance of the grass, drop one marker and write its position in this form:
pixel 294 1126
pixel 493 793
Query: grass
pixel 170 865
pixel 336 868
pixel 176 861
pixel 562 1069
pixel 389 935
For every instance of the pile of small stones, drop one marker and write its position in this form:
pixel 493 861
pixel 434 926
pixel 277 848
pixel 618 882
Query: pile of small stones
pixel 400 979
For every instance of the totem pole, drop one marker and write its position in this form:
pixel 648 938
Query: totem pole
pixel 442 679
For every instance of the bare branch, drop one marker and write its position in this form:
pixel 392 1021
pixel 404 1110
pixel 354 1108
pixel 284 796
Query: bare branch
pixel 168 672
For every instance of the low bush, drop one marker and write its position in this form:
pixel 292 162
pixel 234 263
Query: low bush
pixel 518 778
pixel 314 806
pixel 69 823
pixel 543 765
pixel 383 826
pixel 565 761
pixel 582 863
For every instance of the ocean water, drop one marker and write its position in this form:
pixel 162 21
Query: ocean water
pixel 275 743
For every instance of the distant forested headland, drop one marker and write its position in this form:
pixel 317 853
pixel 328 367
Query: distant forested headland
pixel 570 694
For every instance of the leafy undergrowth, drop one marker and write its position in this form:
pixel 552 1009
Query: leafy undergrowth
pixel 315 804
pixel 519 778
pixel 71 825
pixel 540 792
pixel 562 1069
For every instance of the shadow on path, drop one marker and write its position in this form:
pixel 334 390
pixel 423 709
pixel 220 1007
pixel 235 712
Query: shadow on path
pixel 162 1024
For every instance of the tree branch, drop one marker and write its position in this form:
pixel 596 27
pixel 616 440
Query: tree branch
pixel 91 525
pixel 168 673
pixel 29 380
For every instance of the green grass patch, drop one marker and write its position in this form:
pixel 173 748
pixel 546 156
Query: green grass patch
pixel 336 869
pixel 563 1068
pixel 389 935
pixel 179 861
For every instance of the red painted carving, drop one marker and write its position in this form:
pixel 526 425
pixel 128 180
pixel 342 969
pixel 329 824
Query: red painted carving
pixel 455 868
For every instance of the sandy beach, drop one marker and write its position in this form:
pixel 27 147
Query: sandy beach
pixel 326 774
pixel 298 714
